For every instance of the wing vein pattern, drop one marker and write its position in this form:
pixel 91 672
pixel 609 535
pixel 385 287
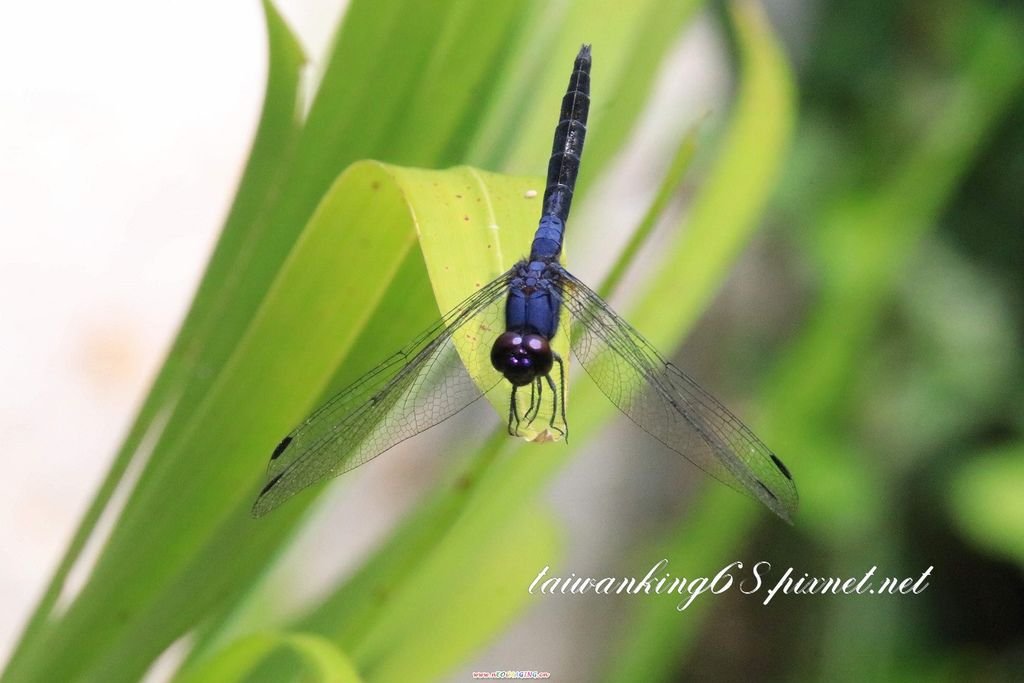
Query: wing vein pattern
pixel 669 405
pixel 424 383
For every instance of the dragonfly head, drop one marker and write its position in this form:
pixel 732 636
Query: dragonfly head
pixel 521 357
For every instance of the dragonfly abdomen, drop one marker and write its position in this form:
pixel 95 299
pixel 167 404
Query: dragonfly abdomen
pixel 564 164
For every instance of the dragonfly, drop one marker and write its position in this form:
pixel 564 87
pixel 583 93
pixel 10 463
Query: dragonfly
pixel 429 381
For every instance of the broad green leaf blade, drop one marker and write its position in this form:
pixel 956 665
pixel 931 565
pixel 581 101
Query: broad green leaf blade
pixel 461 597
pixel 467 222
pixel 349 123
pixel 206 477
pixel 380 43
pixel 320 659
pixel 499 215
pixel 186 546
pixel 272 146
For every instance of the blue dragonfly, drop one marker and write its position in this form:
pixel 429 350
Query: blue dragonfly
pixel 428 381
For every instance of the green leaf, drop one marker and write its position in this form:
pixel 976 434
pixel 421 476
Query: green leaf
pixel 317 655
pixel 462 596
pixel 724 216
pixel 732 198
pixel 629 41
pixel 985 497
pixel 192 533
pixel 668 189
pixel 166 402
pixel 472 227
pixel 660 635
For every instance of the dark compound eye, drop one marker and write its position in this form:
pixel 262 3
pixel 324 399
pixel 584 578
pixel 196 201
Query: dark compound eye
pixel 539 352
pixel 521 357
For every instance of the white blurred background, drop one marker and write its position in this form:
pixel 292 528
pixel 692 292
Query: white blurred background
pixel 119 155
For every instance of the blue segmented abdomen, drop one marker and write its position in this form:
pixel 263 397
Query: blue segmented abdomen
pixel 564 165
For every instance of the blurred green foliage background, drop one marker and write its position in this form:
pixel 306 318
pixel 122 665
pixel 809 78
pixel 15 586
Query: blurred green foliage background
pixel 852 216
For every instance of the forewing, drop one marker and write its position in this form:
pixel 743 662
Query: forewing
pixel 423 384
pixel 671 407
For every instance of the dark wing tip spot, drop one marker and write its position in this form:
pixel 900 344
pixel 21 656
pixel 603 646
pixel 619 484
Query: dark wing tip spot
pixel 259 508
pixel 765 489
pixel 270 484
pixel 280 448
pixel 782 468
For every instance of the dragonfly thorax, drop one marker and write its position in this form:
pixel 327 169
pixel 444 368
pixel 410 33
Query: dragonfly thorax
pixel 521 357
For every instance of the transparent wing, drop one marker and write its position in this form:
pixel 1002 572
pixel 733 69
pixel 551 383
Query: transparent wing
pixel 423 384
pixel 671 407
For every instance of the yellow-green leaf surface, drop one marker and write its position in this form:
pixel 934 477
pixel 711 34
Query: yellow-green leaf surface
pixel 319 658
pixel 472 227
pixel 458 601
pixel 364 233
pixel 987 504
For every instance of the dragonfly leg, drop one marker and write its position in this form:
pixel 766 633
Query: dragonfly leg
pixel 558 407
pixel 513 413
pixel 536 391
pixel 554 402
